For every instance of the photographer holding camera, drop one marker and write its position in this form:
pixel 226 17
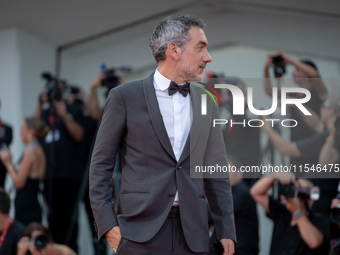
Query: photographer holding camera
pixel 108 79
pixel 38 241
pixel 316 149
pixel 64 153
pixel 59 110
pixel 296 229
pixel 306 76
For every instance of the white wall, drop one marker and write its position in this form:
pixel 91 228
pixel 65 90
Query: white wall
pixel 23 57
pixel 67 67
pixel 35 56
pixel 84 67
pixel 10 87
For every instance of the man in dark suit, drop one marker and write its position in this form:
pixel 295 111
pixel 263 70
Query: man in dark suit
pixel 161 210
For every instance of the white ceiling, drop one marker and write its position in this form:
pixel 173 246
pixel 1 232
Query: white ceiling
pixel 64 21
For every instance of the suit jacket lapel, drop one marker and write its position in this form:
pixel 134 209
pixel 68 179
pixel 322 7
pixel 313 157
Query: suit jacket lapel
pixel 155 115
pixel 195 129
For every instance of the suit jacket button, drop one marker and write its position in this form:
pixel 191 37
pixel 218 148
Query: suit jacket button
pixel 179 168
pixel 171 193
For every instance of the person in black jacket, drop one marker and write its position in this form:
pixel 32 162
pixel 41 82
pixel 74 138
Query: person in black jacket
pixel 10 230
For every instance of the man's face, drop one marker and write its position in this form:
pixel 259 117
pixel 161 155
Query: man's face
pixel 195 56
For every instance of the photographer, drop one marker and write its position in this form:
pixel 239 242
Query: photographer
pixel 38 241
pixel 59 109
pixel 64 152
pixel 5 141
pixel 296 229
pixel 10 230
pixel 108 79
pixel 308 150
pixel 306 76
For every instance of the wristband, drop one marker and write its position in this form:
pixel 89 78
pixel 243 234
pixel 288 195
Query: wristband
pixel 298 214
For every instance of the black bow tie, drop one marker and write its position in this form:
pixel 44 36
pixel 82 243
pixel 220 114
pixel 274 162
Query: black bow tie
pixel 183 89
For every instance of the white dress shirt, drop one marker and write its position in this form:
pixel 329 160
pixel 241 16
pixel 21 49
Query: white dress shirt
pixel 175 111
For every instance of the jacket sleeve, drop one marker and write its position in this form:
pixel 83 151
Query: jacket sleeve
pixel 217 186
pixel 109 137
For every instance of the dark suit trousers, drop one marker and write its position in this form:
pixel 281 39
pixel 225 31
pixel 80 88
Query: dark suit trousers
pixel 168 241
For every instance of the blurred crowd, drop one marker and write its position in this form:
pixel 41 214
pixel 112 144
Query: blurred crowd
pixel 51 177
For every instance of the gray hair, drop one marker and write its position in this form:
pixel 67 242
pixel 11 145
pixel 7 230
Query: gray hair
pixel 172 29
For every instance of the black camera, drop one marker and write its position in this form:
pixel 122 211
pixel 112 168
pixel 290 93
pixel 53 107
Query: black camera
pixel 279 66
pixel 335 213
pixel 288 191
pixel 40 242
pixel 304 193
pixel 73 90
pixel 53 90
pixel 110 80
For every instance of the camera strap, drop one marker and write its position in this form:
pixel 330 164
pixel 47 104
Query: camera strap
pixel 4 232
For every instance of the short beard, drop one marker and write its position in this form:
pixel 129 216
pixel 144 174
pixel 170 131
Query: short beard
pixel 189 75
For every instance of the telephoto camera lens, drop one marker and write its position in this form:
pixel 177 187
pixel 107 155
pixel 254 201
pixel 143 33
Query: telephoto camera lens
pixel 41 241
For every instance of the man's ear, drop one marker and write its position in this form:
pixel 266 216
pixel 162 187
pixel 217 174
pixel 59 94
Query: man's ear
pixel 173 51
